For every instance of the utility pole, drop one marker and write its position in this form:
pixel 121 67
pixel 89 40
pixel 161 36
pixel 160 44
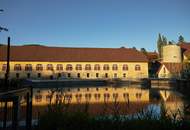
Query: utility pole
pixel 8 64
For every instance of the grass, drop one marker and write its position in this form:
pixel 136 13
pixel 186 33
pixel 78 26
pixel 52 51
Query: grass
pixel 58 117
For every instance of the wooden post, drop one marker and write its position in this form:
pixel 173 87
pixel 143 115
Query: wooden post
pixel 6 83
pixel 8 66
pixel 15 113
pixel 5 115
pixel 29 110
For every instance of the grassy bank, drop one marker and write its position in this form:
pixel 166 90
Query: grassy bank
pixel 58 118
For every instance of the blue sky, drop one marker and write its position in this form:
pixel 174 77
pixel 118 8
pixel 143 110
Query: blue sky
pixel 94 23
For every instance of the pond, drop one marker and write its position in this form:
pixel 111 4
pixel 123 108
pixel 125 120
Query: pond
pixel 104 100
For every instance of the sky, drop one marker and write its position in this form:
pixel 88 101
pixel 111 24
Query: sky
pixel 94 23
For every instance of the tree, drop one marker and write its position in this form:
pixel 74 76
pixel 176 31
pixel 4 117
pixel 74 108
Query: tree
pixel 159 44
pixel 143 50
pixel 2 28
pixel 181 38
pixel 134 48
pixel 164 40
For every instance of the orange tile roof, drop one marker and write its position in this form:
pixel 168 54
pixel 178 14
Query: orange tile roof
pixel 66 54
pixel 184 45
pixel 152 55
pixel 172 67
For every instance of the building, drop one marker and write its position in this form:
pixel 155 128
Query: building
pixel 171 64
pixel 42 62
pixel 176 58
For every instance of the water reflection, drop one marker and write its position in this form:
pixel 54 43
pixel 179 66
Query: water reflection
pixel 109 100
pixel 105 99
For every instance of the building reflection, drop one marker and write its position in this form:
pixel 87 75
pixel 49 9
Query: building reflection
pixel 90 95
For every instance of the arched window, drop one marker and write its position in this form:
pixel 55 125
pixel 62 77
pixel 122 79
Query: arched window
pixel 39 67
pixel 97 96
pixel 87 67
pixel 115 96
pixel 125 67
pixel 137 67
pixel 4 67
pixel 106 67
pixel 59 67
pixel 114 67
pixel 126 95
pixel 96 67
pixel 17 67
pixel 88 96
pixel 28 67
pixel 78 67
pixel 69 67
pixel 49 67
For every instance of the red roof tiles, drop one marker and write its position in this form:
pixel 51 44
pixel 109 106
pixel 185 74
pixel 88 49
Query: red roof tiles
pixel 172 67
pixel 63 54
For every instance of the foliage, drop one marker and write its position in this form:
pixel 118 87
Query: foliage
pixel 181 38
pixel 143 50
pixel 59 119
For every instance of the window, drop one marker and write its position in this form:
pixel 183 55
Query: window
pixel 39 75
pixel 17 75
pixel 106 96
pixel 96 67
pixel 28 75
pixel 17 67
pixel 137 67
pixel 87 67
pixel 114 67
pixel 58 97
pixel 97 96
pixel 115 75
pixel 59 67
pixel 138 95
pixel 126 95
pixel 39 67
pixel 59 75
pixel 69 67
pixel 78 97
pixel 97 75
pixel 125 67
pixel 124 75
pixel 87 75
pixel 68 97
pixel 115 96
pixel 48 98
pixel 38 98
pixel 106 75
pixel 78 75
pixel 106 67
pixel 51 76
pixel 49 67
pixel 69 75
pixel 28 67
pixel 78 67
pixel 4 67
pixel 87 96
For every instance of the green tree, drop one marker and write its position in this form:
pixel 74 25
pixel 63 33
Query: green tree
pixel 181 38
pixel 159 44
pixel 143 50
pixel 164 40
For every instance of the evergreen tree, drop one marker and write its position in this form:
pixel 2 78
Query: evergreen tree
pixel 159 44
pixel 143 50
pixel 164 40
pixel 181 38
